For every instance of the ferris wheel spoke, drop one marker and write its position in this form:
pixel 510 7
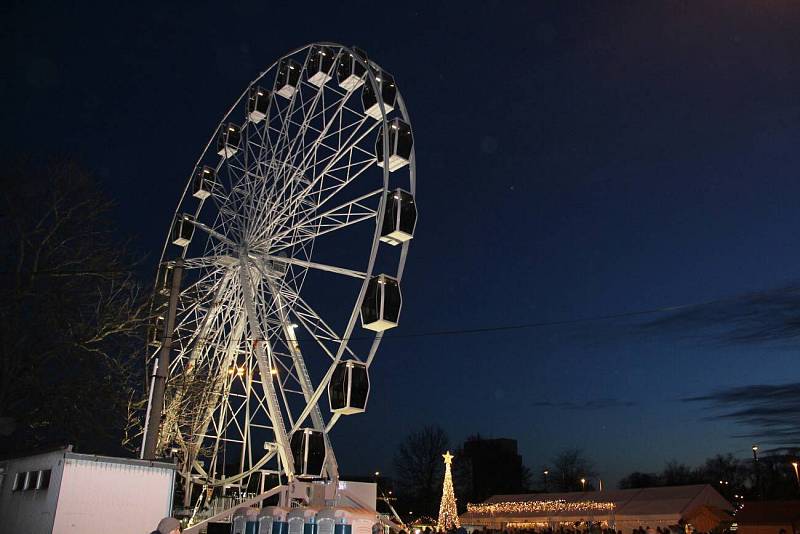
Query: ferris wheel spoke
pixel 298 142
pixel 333 421
pixel 305 223
pixel 353 139
pixel 319 136
pixel 311 153
pixel 215 364
pixel 223 261
pixel 329 114
pixel 313 322
pixel 213 233
pixel 283 142
pixel 304 379
pixel 336 184
pixel 301 217
pixel 310 225
pixel 350 144
pixel 267 259
pixel 218 195
pixel 341 213
pixel 198 350
pixel 192 308
pixel 264 368
pixel 302 237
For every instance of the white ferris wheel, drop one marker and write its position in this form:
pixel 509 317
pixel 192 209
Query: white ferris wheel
pixel 281 272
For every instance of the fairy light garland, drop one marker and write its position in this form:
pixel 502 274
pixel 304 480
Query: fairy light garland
pixel 525 525
pixel 534 507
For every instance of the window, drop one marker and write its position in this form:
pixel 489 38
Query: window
pixel 30 481
pixel 44 479
pixel 19 480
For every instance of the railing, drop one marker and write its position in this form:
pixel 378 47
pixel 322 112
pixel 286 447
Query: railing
pixel 224 514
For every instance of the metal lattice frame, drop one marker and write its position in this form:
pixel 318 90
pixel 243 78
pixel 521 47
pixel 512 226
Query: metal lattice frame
pixel 304 175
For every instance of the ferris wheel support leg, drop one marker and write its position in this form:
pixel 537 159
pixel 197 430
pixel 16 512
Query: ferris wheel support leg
pixel 264 368
pixel 156 405
pixel 332 466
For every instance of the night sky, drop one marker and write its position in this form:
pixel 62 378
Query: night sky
pixel 574 161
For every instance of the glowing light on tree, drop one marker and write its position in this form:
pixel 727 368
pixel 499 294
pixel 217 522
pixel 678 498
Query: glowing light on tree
pixel 448 516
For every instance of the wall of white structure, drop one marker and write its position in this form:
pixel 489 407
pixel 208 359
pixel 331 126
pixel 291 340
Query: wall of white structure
pixel 85 494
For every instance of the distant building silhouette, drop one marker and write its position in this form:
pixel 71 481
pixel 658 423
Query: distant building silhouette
pixel 495 467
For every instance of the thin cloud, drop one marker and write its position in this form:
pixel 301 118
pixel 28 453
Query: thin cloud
pixel 769 411
pixel 769 317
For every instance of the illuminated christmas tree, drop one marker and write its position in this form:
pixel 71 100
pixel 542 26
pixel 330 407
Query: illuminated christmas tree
pixel 448 516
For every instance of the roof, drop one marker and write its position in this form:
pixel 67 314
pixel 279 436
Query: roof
pixel 65 451
pixel 706 518
pixel 667 502
pixel 162 464
pixel 768 513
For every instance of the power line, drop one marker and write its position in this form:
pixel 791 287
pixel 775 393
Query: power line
pixel 579 320
pixel 595 318
pixel 562 322
pixel 484 329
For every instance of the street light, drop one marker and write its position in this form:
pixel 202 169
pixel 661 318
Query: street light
pixel 583 484
pixel 545 473
pixel 796 473
pixel 757 470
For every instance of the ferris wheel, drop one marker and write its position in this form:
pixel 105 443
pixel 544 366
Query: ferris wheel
pixel 281 272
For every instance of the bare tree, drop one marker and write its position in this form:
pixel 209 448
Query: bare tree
pixel 678 474
pixel 723 469
pixel 71 314
pixel 462 479
pixel 569 466
pixel 419 468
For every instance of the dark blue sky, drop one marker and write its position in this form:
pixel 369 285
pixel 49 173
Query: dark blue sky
pixel 575 160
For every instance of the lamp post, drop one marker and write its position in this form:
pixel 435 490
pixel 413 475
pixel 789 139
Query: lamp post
pixel 583 484
pixel 796 473
pixel 545 473
pixel 757 470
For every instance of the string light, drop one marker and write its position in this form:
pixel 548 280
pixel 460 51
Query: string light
pixel 534 507
pixel 448 516
pixel 527 525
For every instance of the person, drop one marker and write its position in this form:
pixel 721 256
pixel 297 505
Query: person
pixel 168 525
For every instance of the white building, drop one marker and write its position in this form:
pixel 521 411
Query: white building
pixel 62 492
